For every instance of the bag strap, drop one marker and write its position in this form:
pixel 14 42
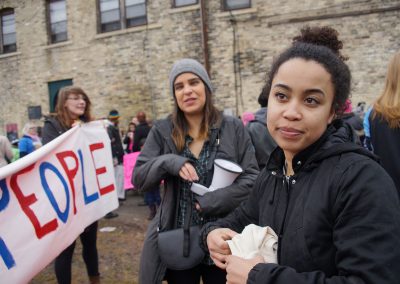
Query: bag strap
pixel 186 229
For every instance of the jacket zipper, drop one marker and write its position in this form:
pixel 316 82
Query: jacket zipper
pixel 286 181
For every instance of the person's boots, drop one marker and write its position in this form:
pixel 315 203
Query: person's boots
pixel 153 210
pixel 94 279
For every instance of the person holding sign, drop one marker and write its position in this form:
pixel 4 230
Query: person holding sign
pixel 73 106
pixel 180 150
pixel 334 209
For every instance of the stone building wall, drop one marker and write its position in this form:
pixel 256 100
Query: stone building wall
pixel 128 69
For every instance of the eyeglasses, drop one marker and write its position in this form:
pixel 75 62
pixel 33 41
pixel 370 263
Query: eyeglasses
pixel 77 98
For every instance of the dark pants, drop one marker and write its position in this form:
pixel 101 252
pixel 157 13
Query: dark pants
pixel 210 274
pixel 63 262
pixel 152 197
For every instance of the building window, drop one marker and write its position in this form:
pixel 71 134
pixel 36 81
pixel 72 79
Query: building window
pixel 121 14
pixel 57 13
pixel 8 36
pixel 236 4
pixel 180 3
pixel 135 13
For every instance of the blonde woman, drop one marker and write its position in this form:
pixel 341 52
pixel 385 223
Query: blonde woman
pixel 27 142
pixel 384 122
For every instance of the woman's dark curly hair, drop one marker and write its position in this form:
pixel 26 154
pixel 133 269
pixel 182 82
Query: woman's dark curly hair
pixel 320 44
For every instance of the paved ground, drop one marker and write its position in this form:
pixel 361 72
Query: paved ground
pixel 119 250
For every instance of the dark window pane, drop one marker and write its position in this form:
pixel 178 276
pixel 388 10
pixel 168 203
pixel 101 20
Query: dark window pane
pixel 179 3
pixel 136 21
pixel 236 4
pixel 110 27
pixel 59 37
pixel 9 48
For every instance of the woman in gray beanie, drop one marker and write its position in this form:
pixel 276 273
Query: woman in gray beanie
pixel 180 150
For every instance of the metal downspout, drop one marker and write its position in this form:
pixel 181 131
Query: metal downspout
pixel 204 35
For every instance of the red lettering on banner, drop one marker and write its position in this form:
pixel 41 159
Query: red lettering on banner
pixel 71 173
pixel 101 170
pixel 26 201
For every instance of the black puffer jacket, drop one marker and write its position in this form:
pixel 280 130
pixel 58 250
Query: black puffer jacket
pixel 337 217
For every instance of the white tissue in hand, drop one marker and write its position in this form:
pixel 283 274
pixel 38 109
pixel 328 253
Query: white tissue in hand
pixel 253 241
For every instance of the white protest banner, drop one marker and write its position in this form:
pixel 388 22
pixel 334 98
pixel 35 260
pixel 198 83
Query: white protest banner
pixel 48 197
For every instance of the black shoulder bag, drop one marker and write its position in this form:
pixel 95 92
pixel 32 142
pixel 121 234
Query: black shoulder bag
pixel 179 249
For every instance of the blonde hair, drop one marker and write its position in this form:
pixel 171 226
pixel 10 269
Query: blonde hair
pixel 29 125
pixel 387 105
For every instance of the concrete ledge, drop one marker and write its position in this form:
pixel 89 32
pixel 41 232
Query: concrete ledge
pixel 323 14
pixel 227 14
pixel 184 9
pixel 58 44
pixel 130 30
pixel 11 54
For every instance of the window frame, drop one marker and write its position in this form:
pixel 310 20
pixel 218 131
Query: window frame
pixel 6 12
pixel 144 22
pixel 49 24
pixel 123 20
pixel 226 8
pixel 174 5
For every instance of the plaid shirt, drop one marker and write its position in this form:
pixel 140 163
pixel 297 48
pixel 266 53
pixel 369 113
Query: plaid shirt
pixel 200 164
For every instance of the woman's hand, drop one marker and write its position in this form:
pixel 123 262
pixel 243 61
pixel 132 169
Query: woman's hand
pixel 238 268
pixel 218 247
pixel 188 172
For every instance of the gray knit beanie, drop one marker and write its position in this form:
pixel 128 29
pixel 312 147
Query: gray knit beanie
pixel 188 65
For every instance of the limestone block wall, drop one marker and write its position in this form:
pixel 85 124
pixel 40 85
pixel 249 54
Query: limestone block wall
pixel 128 69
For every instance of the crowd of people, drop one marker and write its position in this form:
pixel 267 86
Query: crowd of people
pixel 321 174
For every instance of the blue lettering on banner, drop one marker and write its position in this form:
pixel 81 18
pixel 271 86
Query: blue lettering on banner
pixel 88 198
pixel 4 252
pixel 6 255
pixel 5 194
pixel 47 166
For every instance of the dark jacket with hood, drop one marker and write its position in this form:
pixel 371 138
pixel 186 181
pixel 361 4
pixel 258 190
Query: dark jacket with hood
pixel 160 160
pixel 140 135
pixel 337 217
pixel 117 150
pixel 263 142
